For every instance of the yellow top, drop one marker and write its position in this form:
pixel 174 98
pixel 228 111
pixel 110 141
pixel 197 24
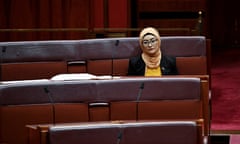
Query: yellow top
pixel 153 71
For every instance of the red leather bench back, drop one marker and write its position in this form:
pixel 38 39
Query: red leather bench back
pixel 44 59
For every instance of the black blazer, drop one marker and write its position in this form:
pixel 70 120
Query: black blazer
pixel 136 66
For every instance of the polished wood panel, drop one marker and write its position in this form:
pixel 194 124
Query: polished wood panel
pixel 172 17
pixel 42 19
pixel 171 5
pixel 60 19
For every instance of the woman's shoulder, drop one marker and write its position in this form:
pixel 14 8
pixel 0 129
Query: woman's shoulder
pixel 136 58
pixel 169 63
pixel 169 58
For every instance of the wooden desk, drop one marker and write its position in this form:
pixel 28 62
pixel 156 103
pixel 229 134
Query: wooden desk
pixel 37 134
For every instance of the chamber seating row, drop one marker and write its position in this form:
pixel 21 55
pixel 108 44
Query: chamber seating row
pixel 110 56
pixel 129 98
pixel 124 132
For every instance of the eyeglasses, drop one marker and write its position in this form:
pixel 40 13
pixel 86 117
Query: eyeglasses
pixel 148 42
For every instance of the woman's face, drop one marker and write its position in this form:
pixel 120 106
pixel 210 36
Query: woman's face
pixel 150 44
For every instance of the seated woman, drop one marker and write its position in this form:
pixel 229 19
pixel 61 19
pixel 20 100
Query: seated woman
pixel 151 62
